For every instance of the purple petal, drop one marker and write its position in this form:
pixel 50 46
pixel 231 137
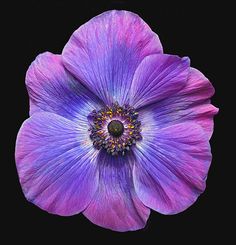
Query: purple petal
pixel 51 88
pixel 105 52
pixel 56 164
pixel 190 104
pixel 115 204
pixel 172 167
pixel 157 77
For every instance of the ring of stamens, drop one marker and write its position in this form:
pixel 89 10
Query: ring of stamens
pixel 115 128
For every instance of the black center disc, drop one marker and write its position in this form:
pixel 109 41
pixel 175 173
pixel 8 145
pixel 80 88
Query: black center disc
pixel 115 128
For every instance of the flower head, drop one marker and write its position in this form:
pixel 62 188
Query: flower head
pixel 116 127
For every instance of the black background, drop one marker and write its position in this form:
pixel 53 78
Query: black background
pixel 197 30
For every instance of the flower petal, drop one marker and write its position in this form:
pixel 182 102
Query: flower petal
pixel 190 104
pixel 56 164
pixel 158 77
pixel 115 205
pixel 51 88
pixel 105 52
pixel 172 167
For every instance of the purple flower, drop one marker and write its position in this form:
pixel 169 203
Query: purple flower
pixel 116 127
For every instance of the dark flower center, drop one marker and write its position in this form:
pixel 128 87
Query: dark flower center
pixel 115 128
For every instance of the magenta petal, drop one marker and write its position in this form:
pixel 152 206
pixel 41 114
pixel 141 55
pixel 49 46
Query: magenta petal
pixel 51 88
pixel 115 204
pixel 172 168
pixel 56 164
pixel 190 104
pixel 157 77
pixel 105 52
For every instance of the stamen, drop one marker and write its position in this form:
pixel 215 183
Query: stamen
pixel 115 128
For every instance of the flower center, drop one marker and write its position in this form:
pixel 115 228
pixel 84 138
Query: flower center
pixel 115 128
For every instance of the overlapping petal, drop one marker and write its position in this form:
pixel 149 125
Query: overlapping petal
pixel 105 52
pixel 115 204
pixel 52 88
pixel 189 104
pixel 56 163
pixel 158 77
pixel 172 167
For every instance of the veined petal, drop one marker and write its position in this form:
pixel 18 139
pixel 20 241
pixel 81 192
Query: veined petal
pixel 105 52
pixel 158 77
pixel 190 104
pixel 56 164
pixel 51 88
pixel 115 205
pixel 172 168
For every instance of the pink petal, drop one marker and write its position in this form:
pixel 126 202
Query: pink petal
pixel 172 168
pixel 105 52
pixel 158 77
pixel 51 88
pixel 190 104
pixel 56 164
pixel 115 205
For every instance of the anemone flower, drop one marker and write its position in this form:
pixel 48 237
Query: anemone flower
pixel 116 127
